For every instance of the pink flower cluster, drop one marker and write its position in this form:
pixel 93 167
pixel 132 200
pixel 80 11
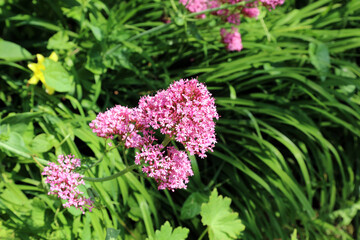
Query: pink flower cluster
pixel 272 3
pixel 184 112
pixel 170 170
pixel 126 123
pixel 232 39
pixel 64 180
pixel 232 16
pixel 195 6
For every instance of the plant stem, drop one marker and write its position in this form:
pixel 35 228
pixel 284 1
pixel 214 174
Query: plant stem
pixel 128 169
pixel 151 30
pixel 124 155
pixel 166 140
pixel 203 234
pixel 37 162
pixel 102 157
pixel 98 161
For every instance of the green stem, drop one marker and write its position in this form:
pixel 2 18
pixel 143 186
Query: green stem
pixel 128 169
pixel 220 8
pixel 154 29
pixel 124 151
pixel 102 157
pixel 97 162
pixel 203 234
pixel 174 5
pixel 166 140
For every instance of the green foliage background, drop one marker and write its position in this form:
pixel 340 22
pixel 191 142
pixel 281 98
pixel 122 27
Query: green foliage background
pixel 288 137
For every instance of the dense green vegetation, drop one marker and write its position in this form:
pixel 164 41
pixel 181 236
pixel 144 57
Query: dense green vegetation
pixel 288 138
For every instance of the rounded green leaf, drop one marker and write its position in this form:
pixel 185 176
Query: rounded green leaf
pixel 42 143
pixel 12 52
pixel 56 76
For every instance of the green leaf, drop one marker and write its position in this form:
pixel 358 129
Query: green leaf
pixel 96 31
pixel 294 235
pixel 42 143
pixel 38 212
pixel 12 52
pixel 118 57
pixel 112 234
pixel 56 76
pixel 192 205
pixel 15 144
pixel 166 233
pixel 72 210
pixel 94 62
pixel 14 118
pixel 222 222
pixel 60 41
pixel 320 58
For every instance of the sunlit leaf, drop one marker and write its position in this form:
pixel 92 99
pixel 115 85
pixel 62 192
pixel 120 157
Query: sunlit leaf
pixel 12 52
pixel 220 219
pixel 166 232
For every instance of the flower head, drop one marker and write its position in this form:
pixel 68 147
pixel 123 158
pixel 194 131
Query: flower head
pixel 64 180
pixel 195 6
pixel 38 69
pixel 271 4
pixel 170 168
pixel 186 112
pixel 231 39
pixel 250 12
pixel 123 122
pixel 234 18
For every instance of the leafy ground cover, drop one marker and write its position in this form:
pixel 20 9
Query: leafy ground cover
pixel 287 156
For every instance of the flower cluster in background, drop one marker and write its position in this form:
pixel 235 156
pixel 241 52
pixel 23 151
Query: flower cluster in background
pixel 64 180
pixel 232 39
pixel 184 113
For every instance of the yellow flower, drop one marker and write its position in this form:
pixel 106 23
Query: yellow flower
pixel 38 69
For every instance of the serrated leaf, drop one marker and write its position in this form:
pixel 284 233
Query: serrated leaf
pixel 222 222
pixel 166 233
pixel 12 52
pixel 56 76
pixel 112 234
